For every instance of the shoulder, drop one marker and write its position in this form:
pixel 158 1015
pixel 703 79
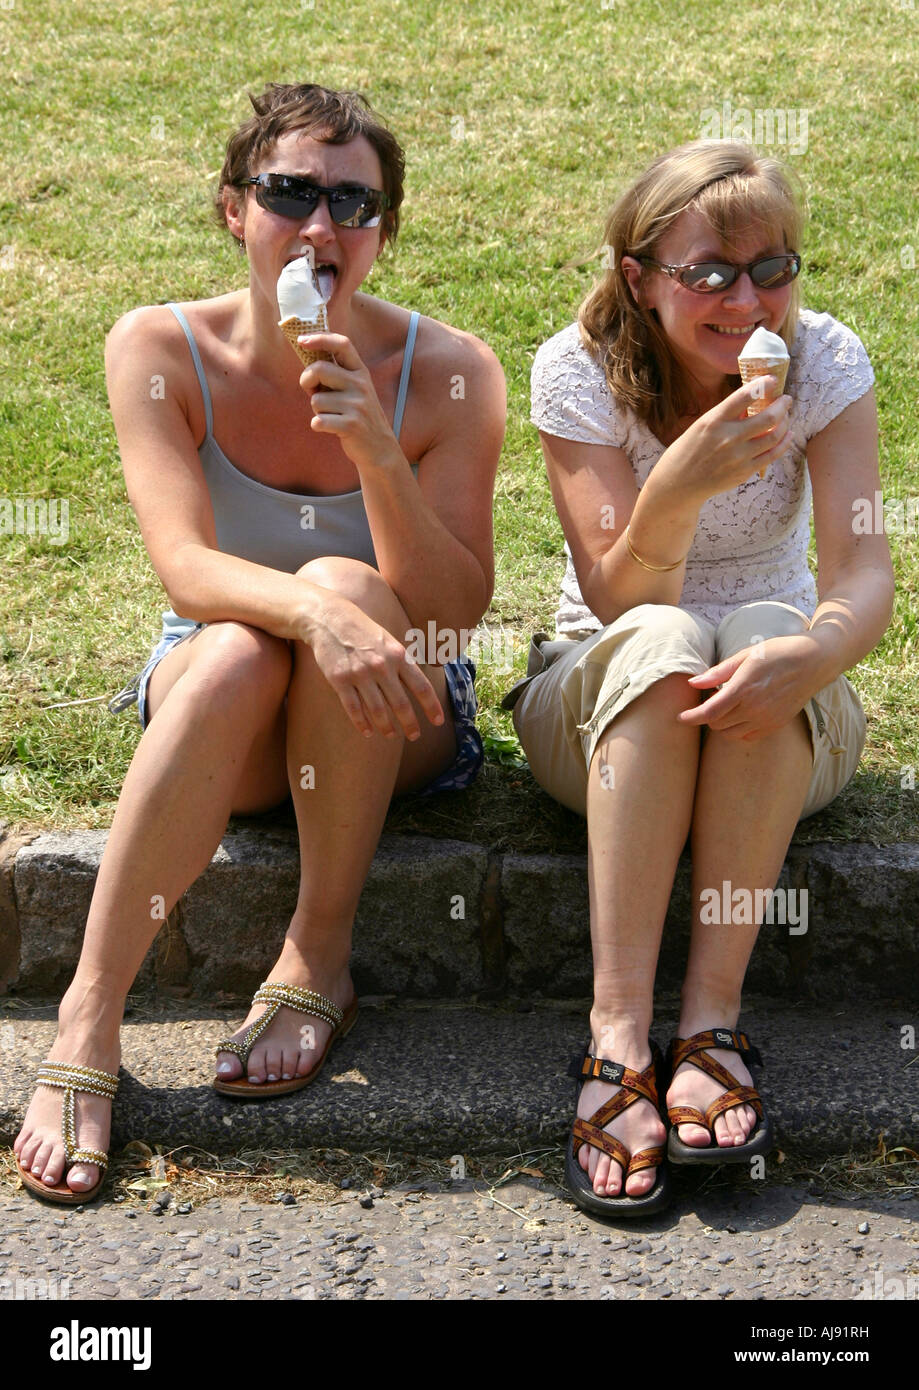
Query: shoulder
pixel 820 337
pixel 570 396
pixel 144 344
pixel 830 369
pixel 565 354
pixel 151 323
pixel 158 324
pixel 441 350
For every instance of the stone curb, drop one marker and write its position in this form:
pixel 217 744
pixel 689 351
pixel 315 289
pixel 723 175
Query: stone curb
pixel 441 1078
pixel 450 919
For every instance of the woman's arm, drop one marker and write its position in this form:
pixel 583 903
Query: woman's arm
pixel 854 571
pixel 856 592
pixel 596 496
pixel 150 382
pixel 166 487
pixel 432 535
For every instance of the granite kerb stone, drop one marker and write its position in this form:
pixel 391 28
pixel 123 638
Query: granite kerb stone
pixel 418 929
pixel 448 918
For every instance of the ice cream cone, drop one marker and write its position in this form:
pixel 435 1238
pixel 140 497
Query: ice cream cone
pixel 752 367
pixel 292 329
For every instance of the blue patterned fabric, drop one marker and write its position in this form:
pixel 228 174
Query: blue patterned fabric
pixel 470 753
pixel 460 675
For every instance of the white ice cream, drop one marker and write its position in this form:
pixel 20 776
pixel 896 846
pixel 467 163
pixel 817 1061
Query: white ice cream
pixel 299 292
pixel 762 343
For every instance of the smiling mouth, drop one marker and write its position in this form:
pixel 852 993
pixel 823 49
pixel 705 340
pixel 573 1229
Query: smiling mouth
pixel 732 332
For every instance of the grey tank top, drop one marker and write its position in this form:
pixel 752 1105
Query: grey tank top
pixel 282 530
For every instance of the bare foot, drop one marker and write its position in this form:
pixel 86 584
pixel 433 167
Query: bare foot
pixel 293 1042
pixel 638 1127
pixel 85 1039
pixel 691 1086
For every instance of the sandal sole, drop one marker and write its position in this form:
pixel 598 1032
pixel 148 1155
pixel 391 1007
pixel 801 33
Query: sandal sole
pixel 760 1143
pixel 622 1207
pixel 63 1195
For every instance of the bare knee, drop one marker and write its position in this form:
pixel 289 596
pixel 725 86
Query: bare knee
pixel 671 695
pixel 360 583
pixel 236 662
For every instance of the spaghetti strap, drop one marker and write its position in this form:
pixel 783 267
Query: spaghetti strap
pixel 406 373
pixel 206 395
pixel 196 358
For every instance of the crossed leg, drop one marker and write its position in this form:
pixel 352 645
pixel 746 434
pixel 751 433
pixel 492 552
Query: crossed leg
pixel 216 742
pixel 340 813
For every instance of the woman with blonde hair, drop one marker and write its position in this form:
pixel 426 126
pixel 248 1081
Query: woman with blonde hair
pixel 304 523
pixel 695 688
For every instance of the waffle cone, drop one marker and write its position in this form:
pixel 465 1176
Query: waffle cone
pixel 292 328
pixel 752 367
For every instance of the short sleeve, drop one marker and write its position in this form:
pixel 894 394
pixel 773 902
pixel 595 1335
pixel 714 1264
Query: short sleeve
pixel 569 393
pixel 830 371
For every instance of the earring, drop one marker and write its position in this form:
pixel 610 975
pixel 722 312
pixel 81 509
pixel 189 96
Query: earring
pixel 241 243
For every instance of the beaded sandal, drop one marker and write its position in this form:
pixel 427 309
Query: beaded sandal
pixel 304 1001
pixel 70 1079
pixel 694 1050
pixel 634 1086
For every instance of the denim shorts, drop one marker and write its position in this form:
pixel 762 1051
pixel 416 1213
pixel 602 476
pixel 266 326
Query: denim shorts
pixel 460 675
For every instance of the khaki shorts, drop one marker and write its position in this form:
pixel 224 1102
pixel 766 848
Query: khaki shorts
pixel 575 688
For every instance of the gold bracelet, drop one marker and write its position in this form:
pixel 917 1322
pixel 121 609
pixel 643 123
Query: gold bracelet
pixel 658 569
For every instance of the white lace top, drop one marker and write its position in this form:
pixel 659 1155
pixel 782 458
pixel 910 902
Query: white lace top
pixel 750 543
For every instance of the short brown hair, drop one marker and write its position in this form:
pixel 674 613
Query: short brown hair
pixel 734 189
pixel 335 117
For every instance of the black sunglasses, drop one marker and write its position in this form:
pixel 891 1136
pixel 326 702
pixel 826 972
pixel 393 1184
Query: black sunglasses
pixel 350 205
pixel 710 277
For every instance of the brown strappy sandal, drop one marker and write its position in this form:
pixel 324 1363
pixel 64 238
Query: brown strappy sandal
pixel 634 1086
pixel 693 1050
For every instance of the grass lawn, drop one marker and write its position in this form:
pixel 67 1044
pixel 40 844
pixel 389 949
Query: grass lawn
pixel 521 122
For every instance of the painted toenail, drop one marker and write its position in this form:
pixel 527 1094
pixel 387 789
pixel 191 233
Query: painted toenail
pixel 271 1076
pixel 287 1076
pixel 37 1168
pixel 225 1068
